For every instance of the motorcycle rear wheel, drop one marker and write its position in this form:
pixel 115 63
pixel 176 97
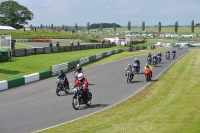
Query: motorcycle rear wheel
pixel 75 103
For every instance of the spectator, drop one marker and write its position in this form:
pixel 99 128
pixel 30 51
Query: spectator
pixel 72 43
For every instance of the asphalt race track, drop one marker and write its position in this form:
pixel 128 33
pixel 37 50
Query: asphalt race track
pixel 36 106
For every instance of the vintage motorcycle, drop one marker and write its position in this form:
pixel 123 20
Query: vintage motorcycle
pixel 154 62
pixel 168 56
pixel 149 60
pixel 79 98
pixel 159 59
pixel 60 87
pixel 136 67
pixel 173 55
pixel 129 77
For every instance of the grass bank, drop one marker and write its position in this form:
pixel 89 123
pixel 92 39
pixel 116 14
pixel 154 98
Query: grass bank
pixel 20 66
pixel 169 105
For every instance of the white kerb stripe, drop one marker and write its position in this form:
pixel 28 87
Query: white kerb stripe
pixel 3 85
pixel 31 78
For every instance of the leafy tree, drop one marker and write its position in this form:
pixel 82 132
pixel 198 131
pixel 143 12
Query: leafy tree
pixel 63 27
pixel 114 26
pixel 76 27
pixel 192 26
pixel 13 14
pixel 104 25
pixel 143 26
pixel 176 26
pixel 88 26
pixel 159 27
pixel 41 26
pixel 129 25
pixel 101 26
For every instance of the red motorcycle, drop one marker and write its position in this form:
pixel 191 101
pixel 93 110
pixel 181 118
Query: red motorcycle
pixel 147 74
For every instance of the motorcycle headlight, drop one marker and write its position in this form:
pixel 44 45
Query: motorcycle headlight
pixel 75 90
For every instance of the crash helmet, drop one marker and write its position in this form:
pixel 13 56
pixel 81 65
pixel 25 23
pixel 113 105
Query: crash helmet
pixel 136 59
pixel 147 65
pixel 78 65
pixel 80 76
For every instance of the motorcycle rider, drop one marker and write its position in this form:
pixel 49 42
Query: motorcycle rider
pixel 83 83
pixel 147 66
pixel 138 62
pixel 155 57
pixel 149 55
pixel 63 76
pixel 131 70
pixel 50 44
pixel 159 54
pixel 168 52
pixel 77 71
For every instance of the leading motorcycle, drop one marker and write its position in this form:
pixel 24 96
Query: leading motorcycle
pixel 79 98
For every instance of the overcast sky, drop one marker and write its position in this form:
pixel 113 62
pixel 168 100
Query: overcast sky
pixel 69 12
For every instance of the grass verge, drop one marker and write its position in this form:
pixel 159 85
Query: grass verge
pixel 169 105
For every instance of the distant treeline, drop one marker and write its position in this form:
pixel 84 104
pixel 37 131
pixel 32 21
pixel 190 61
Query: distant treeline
pixel 104 25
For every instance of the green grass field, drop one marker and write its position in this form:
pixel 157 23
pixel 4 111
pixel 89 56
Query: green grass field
pixel 169 105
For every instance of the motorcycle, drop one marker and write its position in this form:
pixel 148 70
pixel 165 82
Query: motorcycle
pixel 76 76
pixel 79 99
pixel 60 87
pixel 159 59
pixel 173 54
pixel 154 62
pixel 167 56
pixel 129 76
pixel 149 60
pixel 147 74
pixel 136 67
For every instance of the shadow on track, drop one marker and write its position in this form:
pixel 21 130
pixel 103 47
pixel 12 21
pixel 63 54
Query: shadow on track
pixel 93 106
pixel 136 81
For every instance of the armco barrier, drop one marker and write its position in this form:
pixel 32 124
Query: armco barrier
pixel 30 51
pixel 47 50
pixel 31 78
pixel 92 58
pixel 55 69
pixel 44 74
pixel 3 85
pixel 14 82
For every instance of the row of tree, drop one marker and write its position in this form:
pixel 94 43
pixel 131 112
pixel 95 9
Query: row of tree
pixel 15 15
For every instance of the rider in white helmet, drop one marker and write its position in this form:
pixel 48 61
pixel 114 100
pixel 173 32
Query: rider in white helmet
pixel 83 83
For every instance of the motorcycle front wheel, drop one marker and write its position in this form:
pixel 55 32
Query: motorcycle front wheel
pixel 58 91
pixel 128 78
pixel 75 103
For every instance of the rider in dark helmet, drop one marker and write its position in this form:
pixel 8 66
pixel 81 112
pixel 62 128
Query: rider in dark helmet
pixel 63 76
